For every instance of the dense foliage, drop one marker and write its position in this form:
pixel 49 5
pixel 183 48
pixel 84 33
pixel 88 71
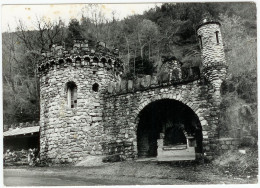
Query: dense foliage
pixel 166 30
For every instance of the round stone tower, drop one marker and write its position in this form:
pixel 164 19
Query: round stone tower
pixel 214 66
pixel 72 84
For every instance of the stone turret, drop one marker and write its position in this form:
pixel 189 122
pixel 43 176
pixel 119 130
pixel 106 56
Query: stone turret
pixel 72 85
pixel 214 66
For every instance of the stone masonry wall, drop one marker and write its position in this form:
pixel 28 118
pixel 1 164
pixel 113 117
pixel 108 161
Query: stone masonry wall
pixel 214 66
pixel 212 52
pixel 121 115
pixel 226 144
pixel 68 134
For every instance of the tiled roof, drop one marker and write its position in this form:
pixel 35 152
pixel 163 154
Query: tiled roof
pixel 22 131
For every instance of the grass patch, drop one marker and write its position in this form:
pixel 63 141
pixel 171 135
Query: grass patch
pixel 234 163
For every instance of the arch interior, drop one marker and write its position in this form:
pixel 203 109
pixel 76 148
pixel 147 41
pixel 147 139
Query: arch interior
pixel 170 122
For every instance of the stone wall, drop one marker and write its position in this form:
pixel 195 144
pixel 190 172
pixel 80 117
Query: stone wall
pixel 121 115
pixel 147 82
pixel 212 52
pixel 226 144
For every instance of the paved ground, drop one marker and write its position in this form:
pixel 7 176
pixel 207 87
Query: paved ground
pixel 18 177
pixel 121 173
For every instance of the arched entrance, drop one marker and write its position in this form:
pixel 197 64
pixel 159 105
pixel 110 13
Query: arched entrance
pixel 168 125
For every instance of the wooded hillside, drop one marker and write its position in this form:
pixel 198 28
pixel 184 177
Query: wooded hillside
pixel 142 40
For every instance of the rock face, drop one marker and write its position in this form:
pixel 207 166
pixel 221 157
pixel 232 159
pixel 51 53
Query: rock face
pixel 86 109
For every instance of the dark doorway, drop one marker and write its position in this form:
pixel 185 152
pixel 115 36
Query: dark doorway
pixel 170 118
pixel 19 142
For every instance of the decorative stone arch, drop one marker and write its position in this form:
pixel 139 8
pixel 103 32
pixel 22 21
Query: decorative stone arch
pixel 194 108
pixel 103 60
pixel 87 59
pixel 95 60
pixel 145 102
pixel 68 60
pixel 52 63
pixel 77 58
pixel 60 62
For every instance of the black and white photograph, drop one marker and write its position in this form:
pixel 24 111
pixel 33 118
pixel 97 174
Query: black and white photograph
pixel 129 93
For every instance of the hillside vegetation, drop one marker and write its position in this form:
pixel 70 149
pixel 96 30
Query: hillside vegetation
pixel 166 30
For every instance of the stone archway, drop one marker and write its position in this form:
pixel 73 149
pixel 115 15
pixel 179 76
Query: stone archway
pixel 170 122
pixel 187 102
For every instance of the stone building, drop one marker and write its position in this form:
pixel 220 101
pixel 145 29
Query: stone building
pixel 87 109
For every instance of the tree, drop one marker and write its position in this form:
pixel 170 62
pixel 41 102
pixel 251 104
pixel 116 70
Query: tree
pixel 20 84
pixel 147 34
pixel 22 51
pixel 240 96
pixel 74 32
pixel 95 14
pixel 240 47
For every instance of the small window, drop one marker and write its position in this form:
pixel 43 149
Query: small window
pixel 95 60
pixel 217 32
pixel 68 60
pixel 78 60
pixel 71 95
pixel 47 80
pixel 200 39
pixel 103 60
pixel 95 87
pixel 61 61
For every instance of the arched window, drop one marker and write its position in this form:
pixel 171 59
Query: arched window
pixel 217 32
pixel 95 87
pixel 71 95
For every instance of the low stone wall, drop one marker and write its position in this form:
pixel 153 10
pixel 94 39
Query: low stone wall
pixel 227 144
pixel 121 148
pixel 20 157
pixel 151 82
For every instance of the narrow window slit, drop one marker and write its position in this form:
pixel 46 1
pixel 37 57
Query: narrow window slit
pixel 71 95
pixel 95 87
pixel 200 39
pixel 217 37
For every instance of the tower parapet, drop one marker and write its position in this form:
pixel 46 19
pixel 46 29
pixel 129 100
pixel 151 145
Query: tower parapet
pixel 81 56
